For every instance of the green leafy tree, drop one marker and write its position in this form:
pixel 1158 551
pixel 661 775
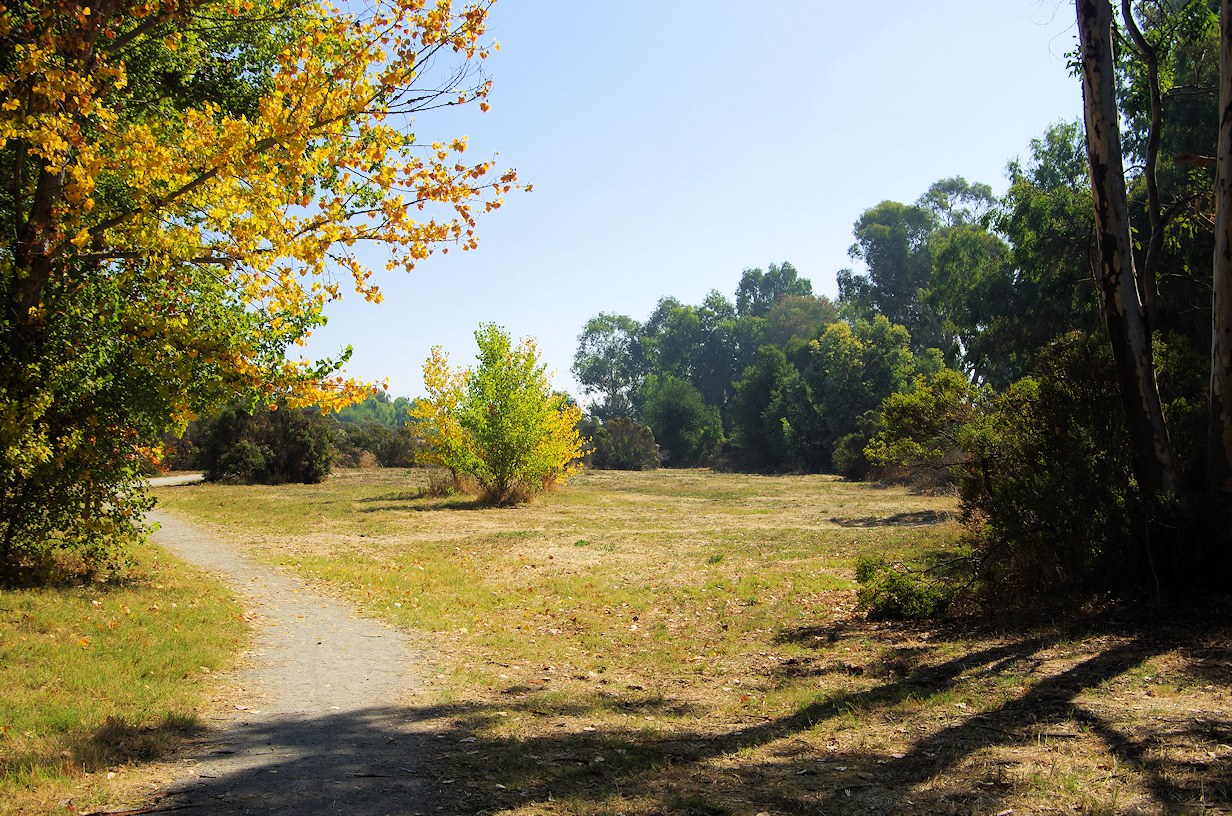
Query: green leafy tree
pixel 609 362
pixel 852 369
pixel 793 320
pixel 758 291
pixel 499 422
pixel 379 408
pixel 696 344
pixel 267 446
pixel 1015 306
pixel 892 241
pixel 957 202
pixel 688 430
pixel 758 434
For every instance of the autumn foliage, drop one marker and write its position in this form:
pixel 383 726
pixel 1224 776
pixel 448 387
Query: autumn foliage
pixel 183 188
pixel 499 422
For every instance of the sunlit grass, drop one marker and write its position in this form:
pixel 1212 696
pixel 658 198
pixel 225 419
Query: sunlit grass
pixel 94 678
pixel 653 577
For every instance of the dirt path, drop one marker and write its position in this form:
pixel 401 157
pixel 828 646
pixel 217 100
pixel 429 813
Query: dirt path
pixel 320 725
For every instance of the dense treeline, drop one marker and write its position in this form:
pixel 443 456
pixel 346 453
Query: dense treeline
pixel 1000 341
pixel 783 379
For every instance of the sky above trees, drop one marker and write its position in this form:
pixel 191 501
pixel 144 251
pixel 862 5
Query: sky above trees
pixel 673 145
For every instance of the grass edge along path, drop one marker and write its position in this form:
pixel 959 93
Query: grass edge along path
pixel 99 679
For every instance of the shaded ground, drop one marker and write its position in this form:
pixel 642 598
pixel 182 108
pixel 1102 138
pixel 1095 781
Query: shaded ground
pixel 316 727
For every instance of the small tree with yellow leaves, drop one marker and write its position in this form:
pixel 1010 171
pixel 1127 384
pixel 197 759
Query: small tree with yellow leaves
pixel 499 423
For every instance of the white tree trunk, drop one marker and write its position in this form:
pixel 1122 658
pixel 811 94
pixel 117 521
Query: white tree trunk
pixel 1219 441
pixel 1154 462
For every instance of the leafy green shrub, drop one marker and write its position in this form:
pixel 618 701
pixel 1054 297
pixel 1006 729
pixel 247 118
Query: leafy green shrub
pixel 849 457
pixel 244 463
pixel 923 427
pixel 268 447
pixel 1050 477
pixel 1045 475
pixel 689 432
pixel 892 592
pixel 620 444
pixel 387 446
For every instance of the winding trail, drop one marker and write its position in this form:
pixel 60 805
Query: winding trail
pixel 320 723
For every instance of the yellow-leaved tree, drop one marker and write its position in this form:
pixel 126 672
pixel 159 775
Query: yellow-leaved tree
pixel 499 422
pixel 183 187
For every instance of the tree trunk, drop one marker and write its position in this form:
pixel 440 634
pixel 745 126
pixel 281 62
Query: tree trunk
pixel 1149 55
pixel 1219 440
pixel 1154 461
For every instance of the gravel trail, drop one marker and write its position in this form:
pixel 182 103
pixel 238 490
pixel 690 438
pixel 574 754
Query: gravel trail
pixel 320 723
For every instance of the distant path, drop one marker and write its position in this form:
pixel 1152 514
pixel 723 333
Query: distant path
pixel 177 479
pixel 317 725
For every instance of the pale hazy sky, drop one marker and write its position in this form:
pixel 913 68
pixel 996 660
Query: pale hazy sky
pixel 674 143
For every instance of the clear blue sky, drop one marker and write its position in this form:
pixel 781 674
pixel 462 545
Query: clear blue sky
pixel 674 143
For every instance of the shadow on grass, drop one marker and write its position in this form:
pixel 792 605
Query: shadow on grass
pixel 460 758
pixel 116 742
pixel 918 518
pixel 419 501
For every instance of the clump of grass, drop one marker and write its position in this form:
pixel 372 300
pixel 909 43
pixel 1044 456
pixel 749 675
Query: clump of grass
pixel 891 591
pixel 100 676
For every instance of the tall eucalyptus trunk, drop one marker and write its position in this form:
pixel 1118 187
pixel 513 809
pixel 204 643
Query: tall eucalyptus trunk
pixel 1219 440
pixel 1154 461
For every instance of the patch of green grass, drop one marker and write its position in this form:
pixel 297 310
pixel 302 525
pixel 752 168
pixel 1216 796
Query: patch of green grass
pixel 100 676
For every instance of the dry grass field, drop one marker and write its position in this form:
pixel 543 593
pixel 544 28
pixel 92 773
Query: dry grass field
pixel 687 642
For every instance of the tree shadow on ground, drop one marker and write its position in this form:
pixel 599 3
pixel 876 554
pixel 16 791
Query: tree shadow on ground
pixel 114 743
pixel 461 758
pixel 418 501
pixel 918 518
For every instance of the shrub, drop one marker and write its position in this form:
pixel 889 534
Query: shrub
pixel 243 462
pixel 499 423
pixel 1044 471
pixel 1050 477
pixel 383 445
pixel 268 447
pixel 621 444
pixel 850 460
pixel 892 592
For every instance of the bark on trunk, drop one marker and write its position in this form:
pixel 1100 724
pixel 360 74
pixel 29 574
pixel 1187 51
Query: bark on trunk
pixel 1154 207
pixel 1219 441
pixel 1154 461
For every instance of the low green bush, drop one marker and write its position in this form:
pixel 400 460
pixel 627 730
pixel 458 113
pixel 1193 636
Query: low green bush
pixel 267 447
pixel 620 444
pixel 890 591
